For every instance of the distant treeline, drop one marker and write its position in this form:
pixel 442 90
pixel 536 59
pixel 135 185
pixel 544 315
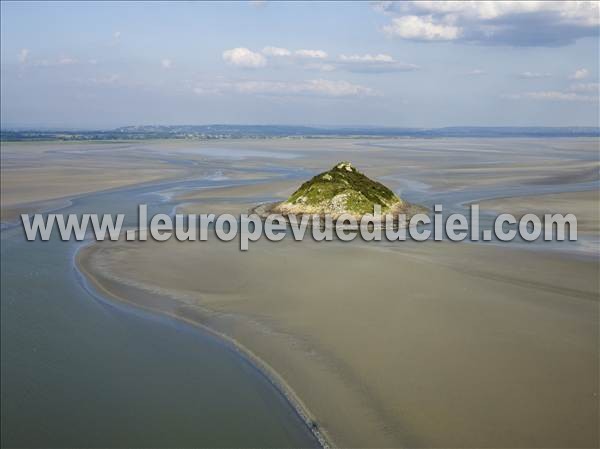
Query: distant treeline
pixel 278 131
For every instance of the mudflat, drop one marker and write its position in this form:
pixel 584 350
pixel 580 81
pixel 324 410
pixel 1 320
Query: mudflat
pixel 39 176
pixel 584 205
pixel 418 345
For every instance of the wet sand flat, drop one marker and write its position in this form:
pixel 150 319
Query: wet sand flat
pixel 40 176
pixel 422 345
pixel 584 205
pixel 233 200
pixel 35 172
pixel 36 175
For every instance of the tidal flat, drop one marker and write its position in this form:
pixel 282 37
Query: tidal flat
pixel 405 344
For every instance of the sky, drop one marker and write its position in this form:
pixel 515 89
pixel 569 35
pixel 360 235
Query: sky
pixel 405 64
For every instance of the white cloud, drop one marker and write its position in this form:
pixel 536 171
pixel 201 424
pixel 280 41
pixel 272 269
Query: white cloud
pixel 367 58
pixel 579 74
pixel 23 55
pixel 554 95
pixel 421 28
pixel 377 63
pixel 519 23
pixel 166 63
pixel 316 60
pixel 534 75
pixel 557 95
pixel 582 13
pixel 43 63
pixel 316 54
pixel 336 88
pixel 24 58
pixel 276 51
pixel 105 80
pixel 585 87
pixel 476 72
pixel 65 60
pixel 93 61
pixel 200 90
pixel 116 39
pixel 243 57
pixel 316 87
pixel 323 67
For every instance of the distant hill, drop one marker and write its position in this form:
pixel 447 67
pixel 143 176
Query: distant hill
pixel 206 132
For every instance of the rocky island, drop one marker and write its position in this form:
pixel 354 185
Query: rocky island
pixel 342 190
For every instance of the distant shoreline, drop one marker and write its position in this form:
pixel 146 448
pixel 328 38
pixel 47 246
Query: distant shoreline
pixel 259 132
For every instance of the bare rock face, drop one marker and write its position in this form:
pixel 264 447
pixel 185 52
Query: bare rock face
pixel 341 190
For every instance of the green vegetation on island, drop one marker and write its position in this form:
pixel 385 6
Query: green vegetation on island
pixel 344 190
pixel 341 190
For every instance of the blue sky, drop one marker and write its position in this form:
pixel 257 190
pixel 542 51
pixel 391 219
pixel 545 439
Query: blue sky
pixel 430 64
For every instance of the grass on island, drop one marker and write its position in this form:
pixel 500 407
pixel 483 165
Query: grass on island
pixel 343 189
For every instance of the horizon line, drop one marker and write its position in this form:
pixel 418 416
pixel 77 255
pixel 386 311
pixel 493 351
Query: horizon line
pixel 279 125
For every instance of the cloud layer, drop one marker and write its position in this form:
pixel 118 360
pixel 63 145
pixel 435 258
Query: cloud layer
pixel 554 95
pixel 534 75
pixel 517 23
pixel 315 87
pixel 316 60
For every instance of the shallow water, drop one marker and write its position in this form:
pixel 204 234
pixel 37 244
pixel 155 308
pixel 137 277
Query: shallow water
pixel 79 371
